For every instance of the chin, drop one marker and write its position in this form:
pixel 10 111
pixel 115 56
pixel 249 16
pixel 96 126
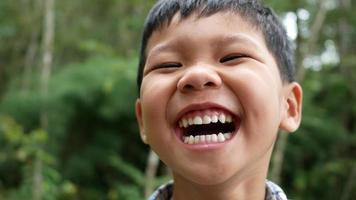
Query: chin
pixel 207 176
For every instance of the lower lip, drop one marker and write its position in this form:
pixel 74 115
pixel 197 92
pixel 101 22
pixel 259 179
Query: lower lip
pixel 206 146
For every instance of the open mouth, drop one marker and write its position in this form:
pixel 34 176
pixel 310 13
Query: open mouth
pixel 208 127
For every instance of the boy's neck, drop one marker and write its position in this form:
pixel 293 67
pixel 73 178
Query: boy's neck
pixel 252 188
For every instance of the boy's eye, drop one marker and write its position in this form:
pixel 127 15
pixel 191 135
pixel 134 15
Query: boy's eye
pixel 168 65
pixel 231 58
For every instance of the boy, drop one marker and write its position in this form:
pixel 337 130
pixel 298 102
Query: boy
pixel 216 84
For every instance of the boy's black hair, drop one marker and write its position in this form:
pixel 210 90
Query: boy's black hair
pixel 253 10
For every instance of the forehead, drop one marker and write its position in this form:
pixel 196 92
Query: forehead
pixel 218 29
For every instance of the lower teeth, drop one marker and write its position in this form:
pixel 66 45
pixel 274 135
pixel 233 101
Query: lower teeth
pixel 201 139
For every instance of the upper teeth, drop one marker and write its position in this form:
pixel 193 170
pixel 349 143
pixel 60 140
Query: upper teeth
pixel 205 119
pixel 197 120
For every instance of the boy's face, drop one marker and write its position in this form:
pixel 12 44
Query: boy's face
pixel 203 70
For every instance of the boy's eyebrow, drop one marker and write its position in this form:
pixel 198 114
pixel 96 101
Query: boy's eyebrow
pixel 161 48
pixel 236 38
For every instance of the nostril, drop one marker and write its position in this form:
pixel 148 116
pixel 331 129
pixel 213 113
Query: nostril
pixel 189 87
pixel 209 84
pixel 206 85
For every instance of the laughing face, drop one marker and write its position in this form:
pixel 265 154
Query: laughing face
pixel 212 100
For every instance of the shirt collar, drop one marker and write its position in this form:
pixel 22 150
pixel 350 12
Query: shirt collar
pixel 165 192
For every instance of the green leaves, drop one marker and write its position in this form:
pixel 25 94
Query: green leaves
pixel 91 123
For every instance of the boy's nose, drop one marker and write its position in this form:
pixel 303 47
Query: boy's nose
pixel 199 78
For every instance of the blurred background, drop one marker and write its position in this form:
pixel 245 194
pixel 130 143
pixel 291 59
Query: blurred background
pixel 67 93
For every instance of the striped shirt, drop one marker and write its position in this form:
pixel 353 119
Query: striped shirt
pixel 165 192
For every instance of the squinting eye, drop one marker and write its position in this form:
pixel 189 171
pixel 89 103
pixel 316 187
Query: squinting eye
pixel 231 57
pixel 168 65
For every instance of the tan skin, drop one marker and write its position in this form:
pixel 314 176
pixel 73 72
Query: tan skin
pixel 215 62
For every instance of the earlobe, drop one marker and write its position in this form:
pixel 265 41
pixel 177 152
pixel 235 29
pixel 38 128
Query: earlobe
pixel 292 113
pixel 138 110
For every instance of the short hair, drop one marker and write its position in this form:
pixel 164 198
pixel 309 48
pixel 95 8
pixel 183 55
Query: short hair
pixel 254 11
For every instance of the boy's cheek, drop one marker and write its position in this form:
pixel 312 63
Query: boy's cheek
pixel 150 116
pixel 257 95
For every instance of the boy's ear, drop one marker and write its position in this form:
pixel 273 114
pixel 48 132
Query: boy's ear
pixel 138 110
pixel 292 107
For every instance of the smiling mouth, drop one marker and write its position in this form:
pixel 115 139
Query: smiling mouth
pixel 209 127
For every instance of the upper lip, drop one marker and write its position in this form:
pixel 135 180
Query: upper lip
pixel 201 106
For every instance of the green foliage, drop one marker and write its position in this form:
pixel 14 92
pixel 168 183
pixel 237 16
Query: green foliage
pixel 92 129
pixel 21 150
